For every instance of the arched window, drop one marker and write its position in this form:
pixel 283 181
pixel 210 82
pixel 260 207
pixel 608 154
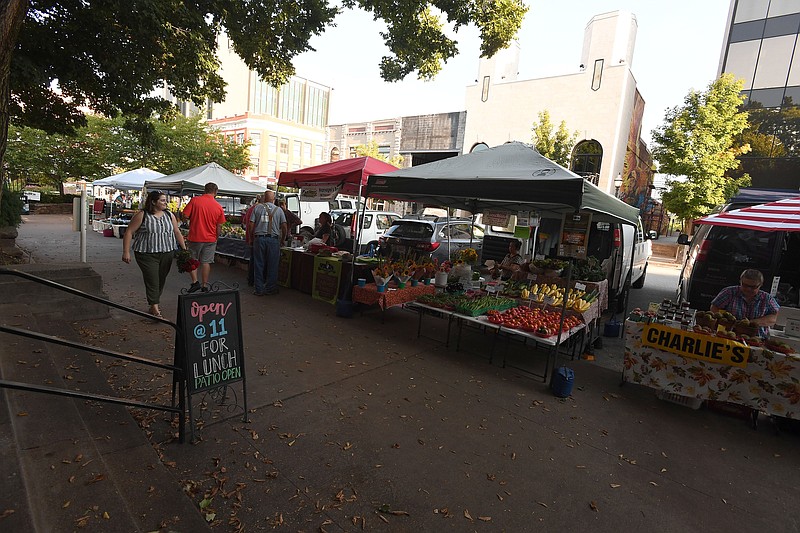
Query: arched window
pixel 334 154
pixel 478 146
pixel 587 158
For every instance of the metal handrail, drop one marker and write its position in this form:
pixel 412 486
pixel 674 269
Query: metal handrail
pixel 176 370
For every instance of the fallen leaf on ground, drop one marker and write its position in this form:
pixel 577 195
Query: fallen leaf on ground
pixel 467 515
pixel 485 518
pixel 615 485
pixel 542 504
pixel 593 506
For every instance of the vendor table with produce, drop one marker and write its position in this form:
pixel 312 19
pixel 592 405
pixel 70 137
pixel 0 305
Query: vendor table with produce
pixel 506 320
pixel 697 365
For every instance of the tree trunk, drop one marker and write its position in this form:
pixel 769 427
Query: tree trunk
pixel 12 14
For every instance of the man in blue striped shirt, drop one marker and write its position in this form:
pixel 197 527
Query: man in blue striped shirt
pixel 746 300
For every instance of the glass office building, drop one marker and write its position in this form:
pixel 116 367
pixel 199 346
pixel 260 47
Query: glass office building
pixel 763 48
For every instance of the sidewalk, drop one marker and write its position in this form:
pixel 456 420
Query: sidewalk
pixel 356 424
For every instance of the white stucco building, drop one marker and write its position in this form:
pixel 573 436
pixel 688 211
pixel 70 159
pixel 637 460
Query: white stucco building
pixel 600 101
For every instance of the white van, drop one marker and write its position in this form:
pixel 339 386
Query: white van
pixel 609 242
pixel 309 212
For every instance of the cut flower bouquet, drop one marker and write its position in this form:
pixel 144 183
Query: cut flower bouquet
pixel 185 261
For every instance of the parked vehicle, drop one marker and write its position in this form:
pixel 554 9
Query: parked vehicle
pixel 232 206
pixel 717 255
pixel 309 214
pixel 435 237
pixel 373 225
pixel 610 243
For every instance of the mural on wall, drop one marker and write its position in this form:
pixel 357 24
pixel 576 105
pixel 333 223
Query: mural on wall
pixel 637 173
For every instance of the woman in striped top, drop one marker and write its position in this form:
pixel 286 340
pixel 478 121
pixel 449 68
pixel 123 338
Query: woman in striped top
pixel 155 235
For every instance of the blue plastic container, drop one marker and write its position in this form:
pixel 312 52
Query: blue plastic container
pixel 562 382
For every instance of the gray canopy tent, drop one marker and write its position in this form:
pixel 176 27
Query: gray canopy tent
pixel 511 177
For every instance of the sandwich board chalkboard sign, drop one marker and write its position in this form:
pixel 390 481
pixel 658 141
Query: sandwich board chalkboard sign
pixel 210 339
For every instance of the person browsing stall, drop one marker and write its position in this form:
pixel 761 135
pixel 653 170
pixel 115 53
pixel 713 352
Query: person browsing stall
pixel 206 217
pixel 747 300
pixel 292 220
pixel 155 235
pixel 248 237
pixel 269 231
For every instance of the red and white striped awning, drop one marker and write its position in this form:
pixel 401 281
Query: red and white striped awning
pixel 783 215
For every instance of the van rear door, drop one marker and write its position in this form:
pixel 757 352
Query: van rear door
pixel 722 256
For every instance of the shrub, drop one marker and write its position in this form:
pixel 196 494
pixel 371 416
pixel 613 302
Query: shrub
pixel 10 208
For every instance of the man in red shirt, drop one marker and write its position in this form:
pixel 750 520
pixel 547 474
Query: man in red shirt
pixel 205 216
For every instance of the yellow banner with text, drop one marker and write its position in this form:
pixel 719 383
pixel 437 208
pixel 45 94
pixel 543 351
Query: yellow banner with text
pixel 695 345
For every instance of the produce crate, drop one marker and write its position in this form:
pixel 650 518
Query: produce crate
pixel 691 403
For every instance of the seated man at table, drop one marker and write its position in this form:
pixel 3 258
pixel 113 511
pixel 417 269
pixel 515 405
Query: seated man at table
pixel 747 300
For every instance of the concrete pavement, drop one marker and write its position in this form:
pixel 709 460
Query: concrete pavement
pixel 357 424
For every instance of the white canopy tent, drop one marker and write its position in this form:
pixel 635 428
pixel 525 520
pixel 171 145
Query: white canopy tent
pixel 193 181
pixel 130 180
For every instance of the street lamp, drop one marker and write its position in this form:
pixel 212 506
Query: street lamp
pixel 617 184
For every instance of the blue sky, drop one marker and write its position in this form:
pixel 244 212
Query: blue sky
pixel 678 48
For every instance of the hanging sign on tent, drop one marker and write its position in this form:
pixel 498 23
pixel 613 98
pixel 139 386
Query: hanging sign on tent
pixel 319 192
pixel 496 218
pixel 523 218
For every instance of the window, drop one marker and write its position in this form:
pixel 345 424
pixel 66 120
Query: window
pixel 766 97
pixel 254 161
pixel 741 60
pixel 255 140
pixel 271 167
pixel 353 152
pixel 773 72
pixel 240 138
pixel 282 166
pixel 318 153
pixel 272 147
pixel 485 89
pixel 385 150
pixel 782 26
pixel 297 149
pixel 384 127
pixel 587 158
pixel 751 10
pixel 747 31
pixel 334 154
pixel 284 146
pixel 357 129
pixel 385 221
pixel 597 75
pixel 307 152
pixel 367 222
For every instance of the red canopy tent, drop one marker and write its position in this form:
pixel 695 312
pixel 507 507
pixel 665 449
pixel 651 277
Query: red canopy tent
pixel 783 215
pixel 351 174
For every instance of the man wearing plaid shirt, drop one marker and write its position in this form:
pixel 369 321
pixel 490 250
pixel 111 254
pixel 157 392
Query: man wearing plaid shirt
pixel 746 300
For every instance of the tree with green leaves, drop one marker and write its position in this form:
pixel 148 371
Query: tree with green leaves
pixel 104 147
pixel 371 149
pixel 59 55
pixel 698 141
pixel 554 146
